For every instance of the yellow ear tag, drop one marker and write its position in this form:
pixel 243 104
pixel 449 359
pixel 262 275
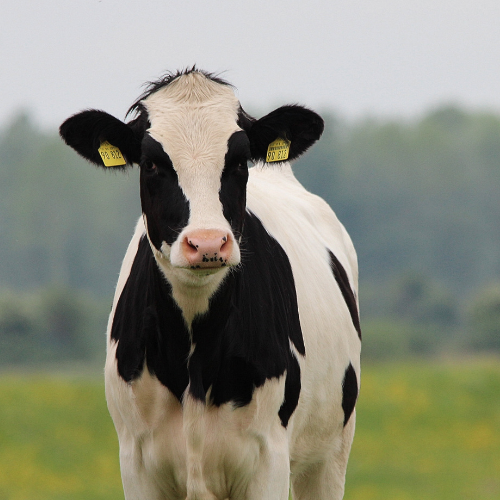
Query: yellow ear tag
pixel 111 155
pixel 278 150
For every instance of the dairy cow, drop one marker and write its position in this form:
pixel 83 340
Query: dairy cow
pixel 233 343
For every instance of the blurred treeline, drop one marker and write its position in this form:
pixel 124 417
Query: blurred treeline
pixel 64 229
pixel 420 198
pixel 421 201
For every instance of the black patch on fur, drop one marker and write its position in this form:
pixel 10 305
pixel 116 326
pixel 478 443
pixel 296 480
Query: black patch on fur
pixel 234 179
pixel 349 392
pixel 162 199
pixel 292 391
pixel 85 132
pixel 149 327
pixel 345 287
pixel 242 341
pixel 245 121
pixel 299 125
pixel 252 317
pixel 140 124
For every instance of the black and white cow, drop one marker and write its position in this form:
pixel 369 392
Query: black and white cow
pixel 233 342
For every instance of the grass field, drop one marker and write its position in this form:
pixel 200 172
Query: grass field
pixel 425 431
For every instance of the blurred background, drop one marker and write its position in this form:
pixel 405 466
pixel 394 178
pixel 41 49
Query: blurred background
pixel 409 161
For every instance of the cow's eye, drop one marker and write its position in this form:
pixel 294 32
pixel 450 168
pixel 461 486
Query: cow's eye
pixel 149 167
pixel 242 166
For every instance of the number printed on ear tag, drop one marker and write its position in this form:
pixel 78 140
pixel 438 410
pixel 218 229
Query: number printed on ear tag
pixel 111 155
pixel 278 150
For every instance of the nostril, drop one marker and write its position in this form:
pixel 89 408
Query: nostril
pixel 193 245
pixel 190 246
pixel 224 243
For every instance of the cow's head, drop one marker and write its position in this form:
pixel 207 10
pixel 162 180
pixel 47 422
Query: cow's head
pixel 192 142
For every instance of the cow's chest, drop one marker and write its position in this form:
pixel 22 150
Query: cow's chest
pixel 193 446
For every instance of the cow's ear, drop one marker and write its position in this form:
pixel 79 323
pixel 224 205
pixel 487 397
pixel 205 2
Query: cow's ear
pixel 102 139
pixel 284 134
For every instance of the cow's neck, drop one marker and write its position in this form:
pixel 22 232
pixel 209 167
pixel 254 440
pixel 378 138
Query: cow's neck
pixel 192 293
pixel 206 307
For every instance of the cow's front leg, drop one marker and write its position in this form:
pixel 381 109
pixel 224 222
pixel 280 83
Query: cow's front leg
pixel 325 479
pixel 195 430
pixel 136 482
pixel 272 478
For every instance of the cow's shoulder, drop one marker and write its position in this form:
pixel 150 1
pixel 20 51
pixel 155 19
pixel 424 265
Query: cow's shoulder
pixel 299 218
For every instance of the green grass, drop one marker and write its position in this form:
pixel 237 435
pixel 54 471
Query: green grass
pixel 425 430
pixel 57 441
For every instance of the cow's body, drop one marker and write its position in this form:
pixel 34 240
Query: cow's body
pixel 225 380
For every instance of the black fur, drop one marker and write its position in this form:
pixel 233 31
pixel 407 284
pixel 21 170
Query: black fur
pixel 234 178
pixel 245 121
pixel 85 132
pixel 301 126
pixel 349 392
pixel 162 199
pixel 345 287
pixel 147 320
pixel 242 341
pixel 140 124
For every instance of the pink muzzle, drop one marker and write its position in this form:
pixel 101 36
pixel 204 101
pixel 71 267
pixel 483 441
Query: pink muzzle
pixel 207 248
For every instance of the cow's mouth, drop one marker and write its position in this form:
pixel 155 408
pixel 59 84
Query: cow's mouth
pixel 212 263
pixel 205 271
pixel 212 266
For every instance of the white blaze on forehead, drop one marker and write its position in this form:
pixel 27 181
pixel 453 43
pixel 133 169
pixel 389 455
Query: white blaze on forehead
pixel 193 118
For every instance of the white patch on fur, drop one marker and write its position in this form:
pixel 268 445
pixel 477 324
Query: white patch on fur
pixel 196 451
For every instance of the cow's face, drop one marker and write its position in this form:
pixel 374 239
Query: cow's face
pixel 193 173
pixel 192 142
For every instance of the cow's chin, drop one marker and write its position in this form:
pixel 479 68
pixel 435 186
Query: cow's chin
pixel 189 279
pixel 183 273
pixel 202 271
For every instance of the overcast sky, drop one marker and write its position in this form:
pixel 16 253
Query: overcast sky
pixel 382 57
